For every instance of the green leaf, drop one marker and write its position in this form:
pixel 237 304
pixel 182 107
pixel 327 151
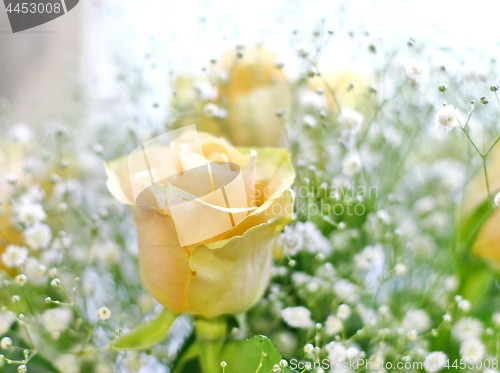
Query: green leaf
pixel 146 335
pixel 253 355
pixel 470 225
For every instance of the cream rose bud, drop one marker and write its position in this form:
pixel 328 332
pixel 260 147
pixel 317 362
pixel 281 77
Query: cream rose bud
pixel 208 223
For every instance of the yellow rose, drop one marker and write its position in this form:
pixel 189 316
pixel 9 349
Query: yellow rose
pixel 250 90
pixel 228 232
pixel 487 241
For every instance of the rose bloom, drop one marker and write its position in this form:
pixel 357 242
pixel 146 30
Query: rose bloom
pixel 487 241
pixel 206 255
pixel 242 105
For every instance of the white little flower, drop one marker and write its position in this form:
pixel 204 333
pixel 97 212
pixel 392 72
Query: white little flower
pixel 21 279
pixel 291 240
pixel 496 319
pixel 336 352
pixel 344 312
pixel 417 320
pixel 333 325
pixel 350 120
pixel 6 320
pixel 308 349
pixel 5 343
pixel 472 349
pixel 435 361
pixel 371 257
pixel 309 121
pixel 351 164
pixel 106 252
pixel 400 269
pixel 346 291
pixel 37 236
pixel 14 256
pixel 29 213
pixel 56 320
pixel 297 317
pixel 496 200
pixel 467 328
pixel 416 71
pixel 464 305
pixel 447 118
pixel 103 313
pixel 213 111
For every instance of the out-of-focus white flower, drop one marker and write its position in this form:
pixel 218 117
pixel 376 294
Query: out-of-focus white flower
pixel 309 120
pixel 416 71
pixel 333 325
pixel 56 320
pixel 106 252
pixel 346 291
pixel 5 343
pixel 447 118
pixel 435 361
pixel 472 349
pixel 297 317
pixel 29 213
pixel 400 269
pixel 34 270
pixel 37 236
pixel 496 200
pixel 211 110
pixel 35 194
pixel 291 240
pixel 6 320
pixel 311 99
pixel 353 352
pixel 21 279
pixel 496 318
pixel 417 320
pixel 467 328
pixel 304 236
pixel 350 120
pixel 103 313
pixel 343 312
pixel 21 133
pixel 14 256
pixel 371 257
pixel 351 164
pixel 67 363
pixel 336 352
pixel 464 305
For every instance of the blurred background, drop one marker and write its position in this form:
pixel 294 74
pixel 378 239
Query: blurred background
pixel 47 70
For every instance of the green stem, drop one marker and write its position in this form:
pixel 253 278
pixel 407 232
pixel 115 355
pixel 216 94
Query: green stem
pixel 210 336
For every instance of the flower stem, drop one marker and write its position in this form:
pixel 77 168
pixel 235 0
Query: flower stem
pixel 210 336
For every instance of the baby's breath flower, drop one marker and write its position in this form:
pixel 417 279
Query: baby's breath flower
pixel 56 320
pixel 333 325
pixel 496 319
pixel 5 343
pixel 467 328
pixel 343 312
pixel 417 320
pixel 38 236
pixel 29 213
pixel 223 364
pixel 103 313
pixel 400 269
pixel 21 279
pixel 351 164
pixel 472 349
pixel 14 256
pixel 55 283
pixel 435 361
pixel 464 305
pixel 336 352
pixel 447 118
pixel 297 317
pixel 350 120
pixel 22 368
